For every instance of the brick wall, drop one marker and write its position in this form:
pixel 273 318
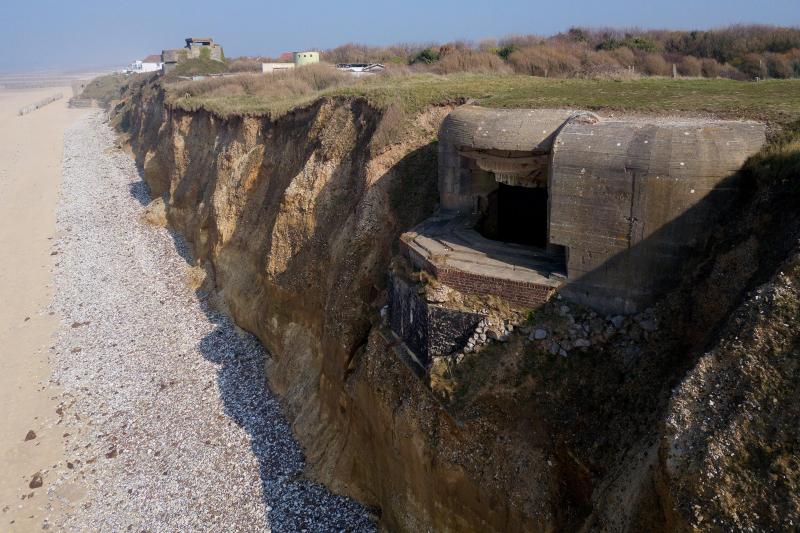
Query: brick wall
pixel 521 293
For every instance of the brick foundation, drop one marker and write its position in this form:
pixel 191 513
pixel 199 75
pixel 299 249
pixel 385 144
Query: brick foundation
pixel 521 293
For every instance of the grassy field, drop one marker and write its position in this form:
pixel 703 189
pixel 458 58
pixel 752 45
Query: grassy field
pixel 774 100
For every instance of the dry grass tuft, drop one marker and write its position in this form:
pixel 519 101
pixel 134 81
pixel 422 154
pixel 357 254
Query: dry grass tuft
pixel 468 60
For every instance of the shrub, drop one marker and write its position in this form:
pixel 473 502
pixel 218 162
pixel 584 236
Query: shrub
pixel 426 56
pixel 654 65
pixel 732 52
pixel 521 41
pixel 624 56
pixel 359 53
pixel 710 67
pixel 752 65
pixel 645 44
pixel 507 50
pixel 466 60
pixel 609 42
pixel 778 66
pixel 793 56
pixel 690 66
pixel 577 35
pixel 247 64
pixel 544 61
pixel 729 71
pixel 488 45
pixel 599 63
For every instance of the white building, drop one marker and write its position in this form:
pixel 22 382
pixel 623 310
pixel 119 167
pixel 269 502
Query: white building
pixel 151 63
pixel 270 68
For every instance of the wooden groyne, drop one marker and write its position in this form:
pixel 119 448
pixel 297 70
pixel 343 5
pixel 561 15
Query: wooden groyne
pixel 41 103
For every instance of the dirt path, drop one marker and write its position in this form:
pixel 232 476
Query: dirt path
pixel 30 168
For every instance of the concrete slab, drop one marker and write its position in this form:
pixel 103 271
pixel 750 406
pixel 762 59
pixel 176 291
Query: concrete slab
pixel 448 242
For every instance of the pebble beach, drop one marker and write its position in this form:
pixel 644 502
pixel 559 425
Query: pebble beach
pixel 168 423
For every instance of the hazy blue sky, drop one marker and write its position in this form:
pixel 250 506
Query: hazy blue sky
pixel 43 34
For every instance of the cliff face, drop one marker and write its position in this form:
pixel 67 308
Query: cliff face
pixel 295 222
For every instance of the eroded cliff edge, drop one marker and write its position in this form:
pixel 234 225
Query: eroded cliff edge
pixel 296 220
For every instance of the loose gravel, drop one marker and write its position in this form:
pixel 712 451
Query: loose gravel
pixel 169 425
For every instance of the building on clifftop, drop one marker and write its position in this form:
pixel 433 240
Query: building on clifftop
pixel 196 47
pixel 204 46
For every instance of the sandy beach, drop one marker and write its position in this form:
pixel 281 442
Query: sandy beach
pixel 30 169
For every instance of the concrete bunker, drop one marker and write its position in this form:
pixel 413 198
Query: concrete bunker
pixel 604 210
pixel 534 200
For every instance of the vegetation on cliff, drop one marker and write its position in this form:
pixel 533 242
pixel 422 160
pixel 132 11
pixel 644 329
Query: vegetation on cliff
pixel 775 100
pixel 106 88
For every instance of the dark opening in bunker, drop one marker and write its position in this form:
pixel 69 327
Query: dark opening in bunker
pixel 517 215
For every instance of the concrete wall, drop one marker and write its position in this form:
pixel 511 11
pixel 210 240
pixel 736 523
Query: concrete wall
pixel 632 199
pixel 515 131
pixel 214 51
pixel 460 181
pixel 529 130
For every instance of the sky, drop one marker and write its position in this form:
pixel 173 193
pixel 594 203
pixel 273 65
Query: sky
pixel 78 34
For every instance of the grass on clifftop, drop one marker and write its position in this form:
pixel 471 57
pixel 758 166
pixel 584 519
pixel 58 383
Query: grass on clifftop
pixel 773 100
pixel 105 88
